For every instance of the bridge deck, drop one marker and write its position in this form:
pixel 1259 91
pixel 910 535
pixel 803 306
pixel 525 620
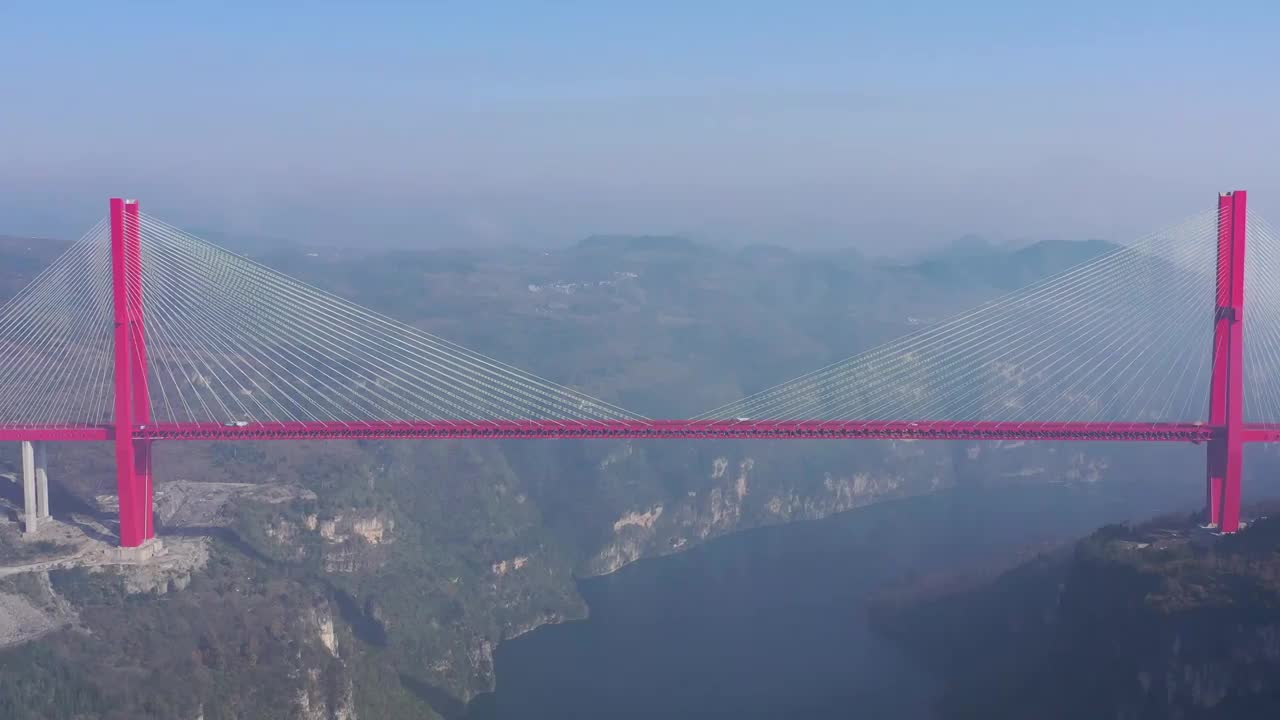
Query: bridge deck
pixel 656 430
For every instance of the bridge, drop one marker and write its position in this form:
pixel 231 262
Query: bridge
pixel 141 332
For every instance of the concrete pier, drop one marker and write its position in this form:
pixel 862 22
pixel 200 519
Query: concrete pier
pixel 35 485
pixel 30 522
pixel 42 480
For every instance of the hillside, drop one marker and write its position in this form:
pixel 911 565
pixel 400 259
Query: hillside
pixel 1157 620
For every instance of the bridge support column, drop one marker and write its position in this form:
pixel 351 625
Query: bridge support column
pixel 146 498
pixel 138 368
pixel 132 402
pixel 30 508
pixel 42 479
pixel 1225 465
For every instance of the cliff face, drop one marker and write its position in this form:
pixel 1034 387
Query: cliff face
pixel 1158 621
pixel 738 487
pixel 724 503
pixel 230 643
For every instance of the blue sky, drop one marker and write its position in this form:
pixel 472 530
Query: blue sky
pixel 878 125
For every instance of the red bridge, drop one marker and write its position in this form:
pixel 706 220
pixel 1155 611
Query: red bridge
pixel 1124 347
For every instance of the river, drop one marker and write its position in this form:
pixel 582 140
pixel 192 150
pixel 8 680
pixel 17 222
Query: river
pixel 772 623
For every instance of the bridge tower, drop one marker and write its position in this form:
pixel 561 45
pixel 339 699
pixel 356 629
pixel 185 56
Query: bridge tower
pixel 1226 389
pixel 132 398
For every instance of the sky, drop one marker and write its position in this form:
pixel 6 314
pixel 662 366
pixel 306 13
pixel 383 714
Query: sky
pixel 880 125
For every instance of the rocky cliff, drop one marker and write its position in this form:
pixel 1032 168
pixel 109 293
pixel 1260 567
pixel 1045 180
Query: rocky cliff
pixel 1162 620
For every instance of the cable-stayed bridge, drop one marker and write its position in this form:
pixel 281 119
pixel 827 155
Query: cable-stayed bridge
pixel 141 332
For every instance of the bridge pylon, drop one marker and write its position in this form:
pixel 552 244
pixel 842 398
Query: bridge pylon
pixel 132 397
pixel 1226 389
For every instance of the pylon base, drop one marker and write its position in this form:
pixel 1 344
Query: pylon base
pixel 148 550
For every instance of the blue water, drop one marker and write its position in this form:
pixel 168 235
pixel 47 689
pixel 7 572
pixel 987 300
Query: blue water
pixel 772 623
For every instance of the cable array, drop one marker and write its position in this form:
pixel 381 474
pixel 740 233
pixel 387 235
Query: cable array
pixel 232 341
pixel 56 341
pixel 1261 321
pixel 1123 337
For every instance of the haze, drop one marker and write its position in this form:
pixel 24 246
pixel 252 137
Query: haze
pixel 877 125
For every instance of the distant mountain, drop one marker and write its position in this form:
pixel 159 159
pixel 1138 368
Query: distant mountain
pixel 642 243
pixel 964 247
pixel 972 259
pixel 766 253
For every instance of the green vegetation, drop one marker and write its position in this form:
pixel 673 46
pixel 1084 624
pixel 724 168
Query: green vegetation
pixel 227 644
pixel 1150 621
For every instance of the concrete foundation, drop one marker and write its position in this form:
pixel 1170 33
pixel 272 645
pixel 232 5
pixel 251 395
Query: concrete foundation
pixel 148 550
